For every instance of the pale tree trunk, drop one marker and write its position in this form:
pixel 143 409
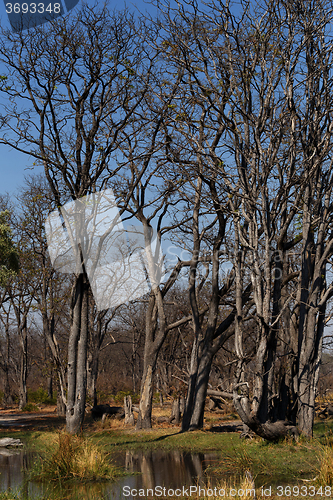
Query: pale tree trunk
pixel 156 332
pixel 146 398
pixel 77 356
pixel 48 329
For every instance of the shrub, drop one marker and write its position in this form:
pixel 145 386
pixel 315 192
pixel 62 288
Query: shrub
pixel 30 407
pixel 40 396
pixel 119 397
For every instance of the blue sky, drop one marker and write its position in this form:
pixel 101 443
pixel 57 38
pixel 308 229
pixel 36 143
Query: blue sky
pixel 15 165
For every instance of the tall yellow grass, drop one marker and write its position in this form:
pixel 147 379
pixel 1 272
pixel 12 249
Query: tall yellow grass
pixel 325 470
pixel 244 488
pixel 75 458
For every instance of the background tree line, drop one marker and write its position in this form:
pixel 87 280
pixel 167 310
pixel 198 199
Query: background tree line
pixel 214 127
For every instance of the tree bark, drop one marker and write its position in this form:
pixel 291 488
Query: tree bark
pixel 23 365
pixel 146 399
pixel 77 356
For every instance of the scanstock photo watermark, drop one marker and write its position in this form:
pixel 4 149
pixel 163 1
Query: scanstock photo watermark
pixel 123 261
pixel 285 491
pixel 23 15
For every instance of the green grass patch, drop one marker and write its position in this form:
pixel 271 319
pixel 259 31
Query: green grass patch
pixel 285 460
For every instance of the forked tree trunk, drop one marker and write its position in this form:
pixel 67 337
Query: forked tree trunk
pixel 48 329
pixel 77 356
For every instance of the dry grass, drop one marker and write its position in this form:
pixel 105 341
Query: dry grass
pixel 244 488
pixel 325 470
pixel 75 458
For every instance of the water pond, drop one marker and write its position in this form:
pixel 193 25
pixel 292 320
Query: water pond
pixel 147 471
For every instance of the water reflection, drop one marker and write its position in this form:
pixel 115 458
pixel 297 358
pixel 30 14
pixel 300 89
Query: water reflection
pixel 12 464
pixel 147 470
pixel 172 469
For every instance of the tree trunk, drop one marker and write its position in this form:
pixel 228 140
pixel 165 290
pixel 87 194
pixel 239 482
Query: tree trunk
pixel 77 356
pixel 61 407
pixel 48 330
pixel 7 397
pixel 146 400
pixel 189 402
pixel 23 366
pixel 309 365
pixel 197 417
pixel 50 387
pixel 201 362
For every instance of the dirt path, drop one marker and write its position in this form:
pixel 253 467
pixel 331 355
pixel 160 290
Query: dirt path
pixel 43 420
pixel 11 420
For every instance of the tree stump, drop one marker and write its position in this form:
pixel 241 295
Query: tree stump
pixel 129 417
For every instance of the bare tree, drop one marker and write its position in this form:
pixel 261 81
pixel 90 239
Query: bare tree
pixel 254 108
pixel 72 87
pixel 51 290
